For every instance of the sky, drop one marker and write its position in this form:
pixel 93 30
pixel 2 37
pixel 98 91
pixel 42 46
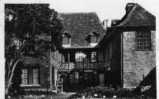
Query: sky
pixel 105 9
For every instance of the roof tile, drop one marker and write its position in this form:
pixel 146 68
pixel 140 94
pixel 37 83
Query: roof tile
pixel 80 25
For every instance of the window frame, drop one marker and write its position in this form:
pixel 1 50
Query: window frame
pixel 30 73
pixel 80 58
pixel 145 42
pixel 93 39
pixel 66 40
pixel 93 57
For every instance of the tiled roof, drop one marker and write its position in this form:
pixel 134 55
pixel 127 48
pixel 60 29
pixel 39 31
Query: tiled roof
pixel 137 16
pixel 79 25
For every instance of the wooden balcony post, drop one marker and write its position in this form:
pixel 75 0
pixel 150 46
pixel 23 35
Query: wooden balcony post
pixel 68 60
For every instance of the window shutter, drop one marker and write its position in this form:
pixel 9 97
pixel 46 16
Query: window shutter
pixel 35 76
pixel 24 76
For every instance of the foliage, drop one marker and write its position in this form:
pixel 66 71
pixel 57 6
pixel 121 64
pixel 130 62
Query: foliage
pixel 15 89
pixel 105 91
pixel 30 20
pixel 23 24
pixel 147 87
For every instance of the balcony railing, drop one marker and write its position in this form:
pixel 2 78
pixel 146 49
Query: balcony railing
pixel 83 66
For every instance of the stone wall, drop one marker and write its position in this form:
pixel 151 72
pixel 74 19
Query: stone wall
pixel 136 64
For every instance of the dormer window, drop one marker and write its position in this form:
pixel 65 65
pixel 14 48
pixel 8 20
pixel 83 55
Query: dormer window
pixel 92 38
pixel 66 39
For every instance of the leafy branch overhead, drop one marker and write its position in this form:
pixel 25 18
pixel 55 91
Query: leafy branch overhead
pixel 33 18
pixel 29 20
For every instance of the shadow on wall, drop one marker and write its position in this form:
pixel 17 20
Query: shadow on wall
pixel 148 85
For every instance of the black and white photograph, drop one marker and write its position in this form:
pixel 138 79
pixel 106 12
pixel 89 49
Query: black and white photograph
pixel 80 49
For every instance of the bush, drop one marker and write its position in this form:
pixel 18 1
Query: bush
pixel 101 91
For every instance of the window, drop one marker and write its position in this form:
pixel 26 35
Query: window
pixel 80 57
pixel 35 76
pixel 143 40
pixel 69 57
pixel 93 39
pixel 25 76
pixel 93 56
pixel 30 76
pixel 66 40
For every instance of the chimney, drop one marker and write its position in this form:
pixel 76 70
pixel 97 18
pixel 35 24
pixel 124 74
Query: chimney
pixel 106 23
pixel 114 22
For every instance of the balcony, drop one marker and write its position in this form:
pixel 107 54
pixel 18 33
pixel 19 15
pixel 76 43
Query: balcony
pixel 83 66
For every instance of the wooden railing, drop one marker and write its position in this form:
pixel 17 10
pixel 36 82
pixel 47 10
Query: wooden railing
pixel 83 66
pixel 94 65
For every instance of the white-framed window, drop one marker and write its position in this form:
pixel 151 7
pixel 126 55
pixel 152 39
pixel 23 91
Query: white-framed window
pixel 24 76
pixel 93 56
pixel 93 39
pixel 30 76
pixel 80 57
pixel 143 40
pixel 66 40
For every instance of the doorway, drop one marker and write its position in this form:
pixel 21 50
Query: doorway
pixel 101 79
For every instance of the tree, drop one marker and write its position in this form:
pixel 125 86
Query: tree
pixel 23 22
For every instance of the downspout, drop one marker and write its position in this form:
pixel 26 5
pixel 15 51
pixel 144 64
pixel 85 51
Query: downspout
pixel 50 63
pixel 50 71
pixel 121 46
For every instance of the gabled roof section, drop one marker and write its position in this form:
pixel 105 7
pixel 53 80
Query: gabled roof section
pixel 79 25
pixel 137 16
